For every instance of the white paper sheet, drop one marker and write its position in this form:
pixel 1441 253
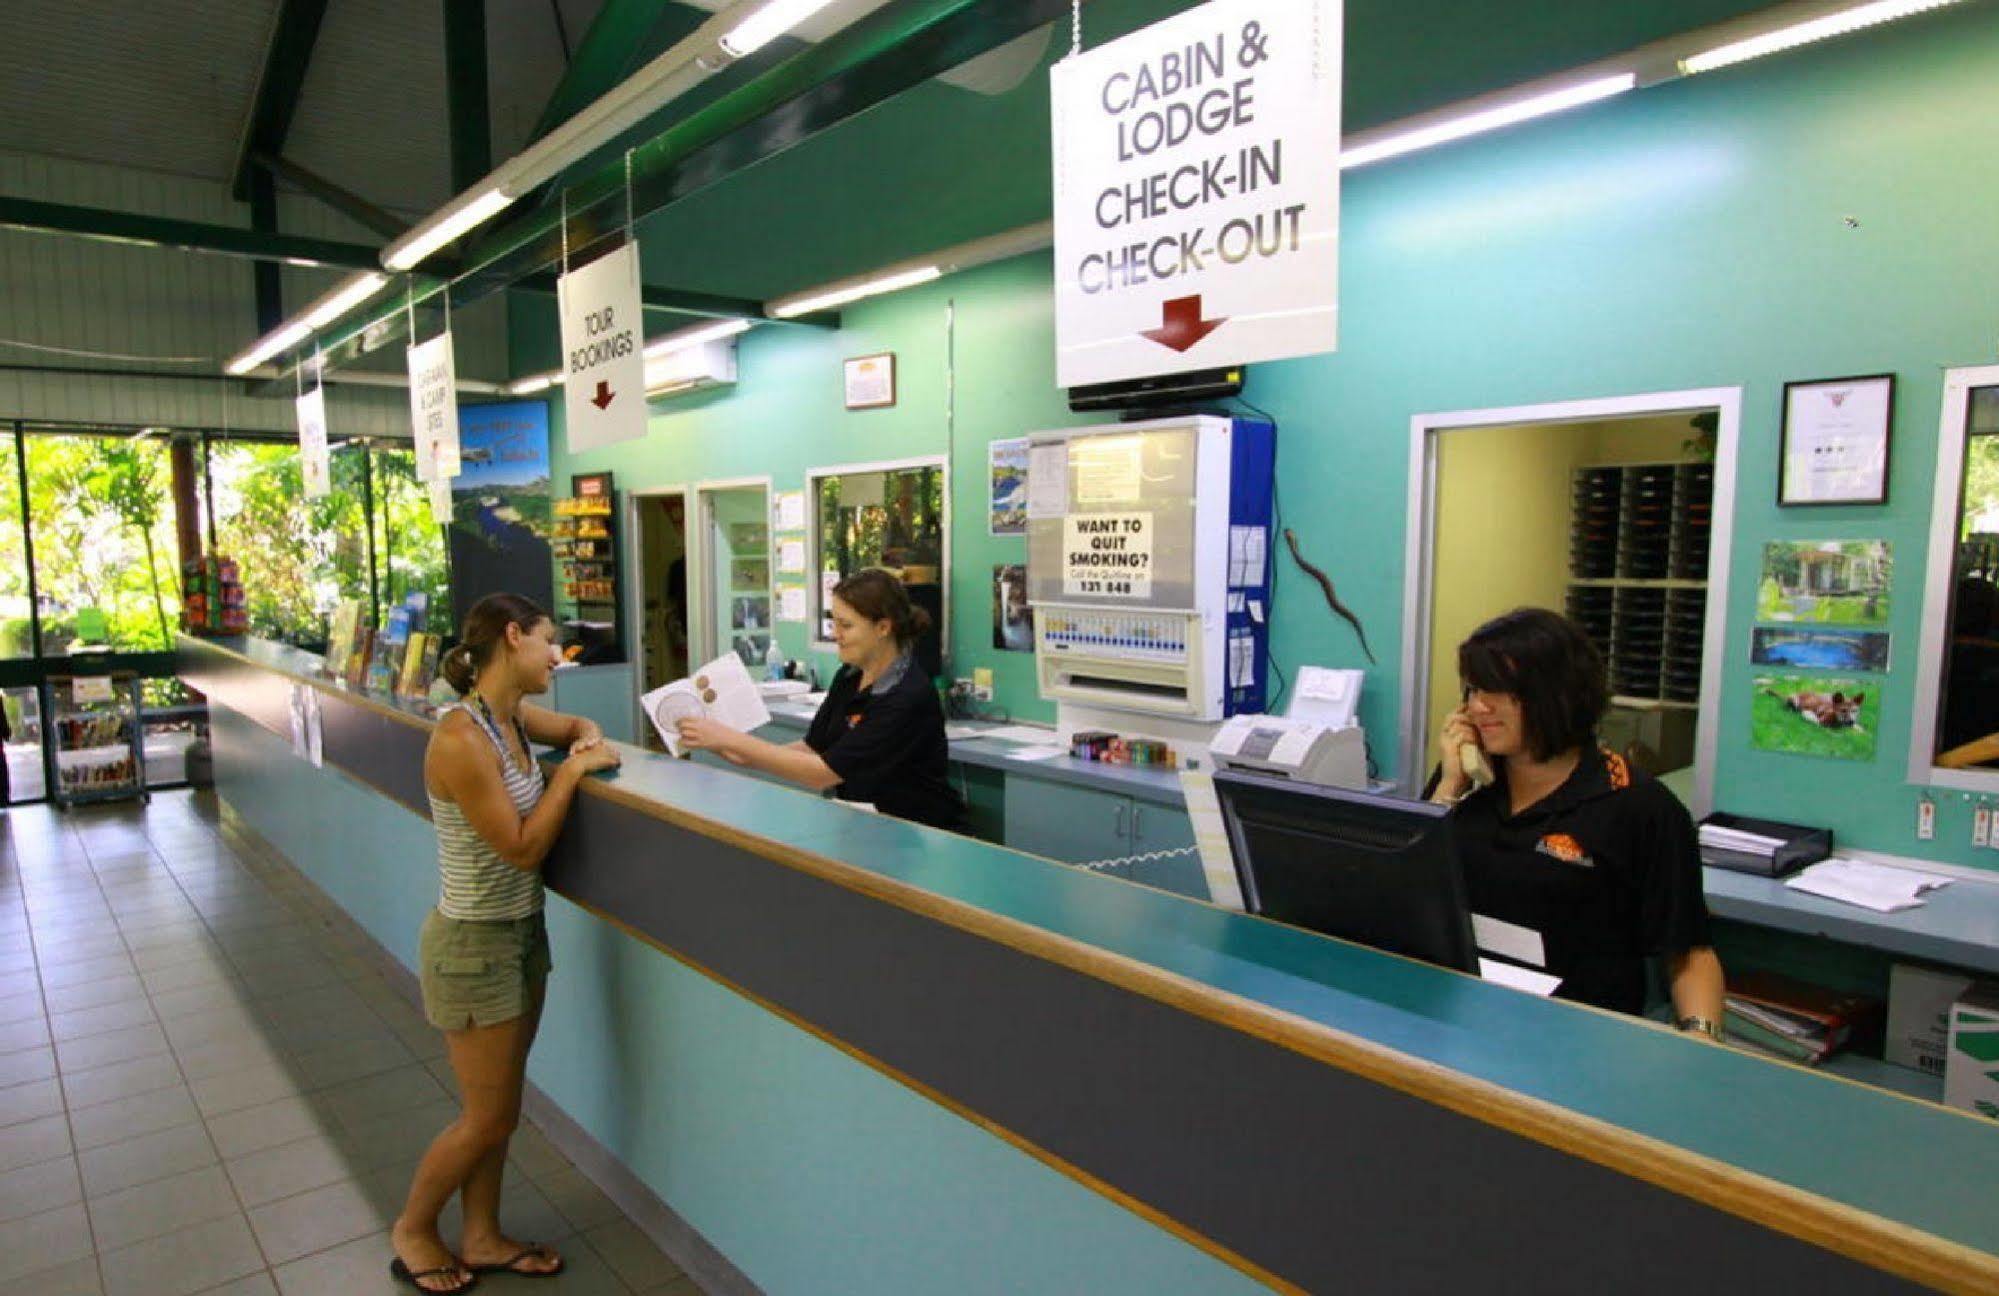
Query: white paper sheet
pixel 1048 480
pixel 791 603
pixel 1036 753
pixel 1870 886
pixel 1509 940
pixel 791 556
pixel 1517 978
pixel 1211 838
pixel 788 510
pixel 1020 734
pixel 722 690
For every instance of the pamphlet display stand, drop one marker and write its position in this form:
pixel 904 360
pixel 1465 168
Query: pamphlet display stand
pixel 96 738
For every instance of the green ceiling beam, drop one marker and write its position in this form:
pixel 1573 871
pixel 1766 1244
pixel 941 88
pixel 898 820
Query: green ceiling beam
pixel 606 54
pixel 466 92
pixel 286 58
pixel 182 235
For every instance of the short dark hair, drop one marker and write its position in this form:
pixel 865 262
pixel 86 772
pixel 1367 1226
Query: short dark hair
pixel 879 596
pixel 1545 660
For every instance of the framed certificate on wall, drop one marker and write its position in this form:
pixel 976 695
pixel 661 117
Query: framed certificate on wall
pixel 1835 441
pixel 871 381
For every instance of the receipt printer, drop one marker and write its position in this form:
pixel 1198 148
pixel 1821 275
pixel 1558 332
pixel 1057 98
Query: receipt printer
pixel 1305 751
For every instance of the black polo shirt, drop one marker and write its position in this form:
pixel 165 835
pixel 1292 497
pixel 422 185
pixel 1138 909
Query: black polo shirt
pixel 887 745
pixel 1606 869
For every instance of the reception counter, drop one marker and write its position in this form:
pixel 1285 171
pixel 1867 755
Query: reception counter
pixel 848 1054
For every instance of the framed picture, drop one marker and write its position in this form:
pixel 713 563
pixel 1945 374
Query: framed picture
pixel 871 381
pixel 1835 441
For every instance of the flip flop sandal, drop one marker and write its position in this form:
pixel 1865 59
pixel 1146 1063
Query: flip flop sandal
pixel 402 1273
pixel 534 1249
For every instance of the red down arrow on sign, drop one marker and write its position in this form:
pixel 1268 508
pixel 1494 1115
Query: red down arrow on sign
pixel 1181 325
pixel 604 396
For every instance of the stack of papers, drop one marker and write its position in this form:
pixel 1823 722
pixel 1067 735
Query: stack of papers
pixel 1871 886
pixel 1716 837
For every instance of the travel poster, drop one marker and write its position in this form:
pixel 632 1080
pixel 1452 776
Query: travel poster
pixel 1825 582
pixel 1815 715
pixel 1013 619
pixel 1006 462
pixel 1820 648
pixel 501 509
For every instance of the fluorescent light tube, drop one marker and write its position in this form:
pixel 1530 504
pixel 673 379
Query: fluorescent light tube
pixel 1489 119
pixel 281 339
pixel 449 223
pixel 788 308
pixel 768 23
pixel 1804 33
pixel 533 383
pixel 693 337
pixel 343 299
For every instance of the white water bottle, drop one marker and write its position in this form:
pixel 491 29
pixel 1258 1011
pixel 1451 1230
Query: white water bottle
pixel 773 661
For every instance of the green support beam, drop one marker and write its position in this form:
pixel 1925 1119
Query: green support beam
pixel 466 92
pixel 337 197
pixel 267 276
pixel 286 59
pixel 606 55
pixel 182 235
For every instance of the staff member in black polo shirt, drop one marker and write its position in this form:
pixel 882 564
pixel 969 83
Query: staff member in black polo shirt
pixel 879 735
pixel 1568 841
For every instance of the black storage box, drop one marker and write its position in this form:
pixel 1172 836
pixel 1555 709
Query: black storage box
pixel 1801 846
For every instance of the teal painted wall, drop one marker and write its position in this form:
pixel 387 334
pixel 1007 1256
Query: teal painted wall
pixel 813 1173
pixel 1689 235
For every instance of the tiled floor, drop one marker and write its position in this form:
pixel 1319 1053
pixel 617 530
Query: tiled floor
pixel 207 1086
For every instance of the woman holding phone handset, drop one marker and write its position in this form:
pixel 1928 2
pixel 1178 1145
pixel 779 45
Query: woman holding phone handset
pixel 483 953
pixel 1598 862
pixel 879 735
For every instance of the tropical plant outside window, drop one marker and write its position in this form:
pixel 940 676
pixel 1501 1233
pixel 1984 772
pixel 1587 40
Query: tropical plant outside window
pixel 410 549
pixel 1968 708
pixel 16 626
pixel 892 519
pixel 102 512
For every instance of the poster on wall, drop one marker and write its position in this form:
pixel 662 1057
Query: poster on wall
pixel 1820 648
pixel 1815 715
pixel 501 506
pixel 1825 582
pixel 1013 619
pixel 1197 192
pixel 1835 441
pixel 1006 477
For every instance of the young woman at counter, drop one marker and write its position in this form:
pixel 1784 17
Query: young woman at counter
pixel 1596 859
pixel 483 954
pixel 879 735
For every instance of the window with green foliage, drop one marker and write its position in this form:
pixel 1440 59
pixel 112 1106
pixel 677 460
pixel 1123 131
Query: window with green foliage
pixel 16 625
pixel 297 557
pixel 410 551
pixel 106 569
pixel 1967 722
pixel 878 517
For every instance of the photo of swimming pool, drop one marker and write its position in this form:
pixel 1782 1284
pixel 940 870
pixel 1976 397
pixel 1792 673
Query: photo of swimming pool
pixel 1820 648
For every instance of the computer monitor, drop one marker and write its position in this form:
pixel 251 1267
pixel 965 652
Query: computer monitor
pixel 1372 869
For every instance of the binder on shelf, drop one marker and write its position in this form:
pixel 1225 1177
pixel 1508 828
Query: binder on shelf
pixel 1765 847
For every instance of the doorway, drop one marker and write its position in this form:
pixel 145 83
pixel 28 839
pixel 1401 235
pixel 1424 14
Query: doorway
pixel 733 597
pixel 660 535
pixel 1613 512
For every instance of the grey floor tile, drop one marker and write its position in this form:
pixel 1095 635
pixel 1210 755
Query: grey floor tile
pixel 97 1021
pixel 315 1220
pixel 17 961
pixel 26 1065
pixel 196 1000
pixel 93 1051
pixel 32 1033
pixel 33 1189
pixel 632 1255
pixel 524 1213
pixel 77 1278
pixel 353 1060
pixel 120 1080
pixel 159 1155
pixel 185 1262
pixel 218 1095
pixel 85 949
pixel 163 1206
pixel 40 1241
pixel 34 1142
pixel 124 1118
pixel 256 1128
pixel 532 1151
pixel 581 1202
pixel 95 994
pixel 357 1268
pixel 200 971
pixel 234 1053
pixel 214 1025
pixel 30 1101
pixel 358 1101
pixel 20 1007
pixel 90 969
pixel 257 1284
pixel 289 1168
pixel 158 947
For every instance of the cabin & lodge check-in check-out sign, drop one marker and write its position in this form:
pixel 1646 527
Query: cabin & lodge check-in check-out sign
pixel 1197 187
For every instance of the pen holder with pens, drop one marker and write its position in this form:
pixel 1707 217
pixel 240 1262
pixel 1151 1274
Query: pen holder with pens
pixel 1765 847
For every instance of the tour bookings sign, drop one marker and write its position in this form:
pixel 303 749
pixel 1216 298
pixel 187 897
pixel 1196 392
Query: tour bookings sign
pixel 603 352
pixel 1197 188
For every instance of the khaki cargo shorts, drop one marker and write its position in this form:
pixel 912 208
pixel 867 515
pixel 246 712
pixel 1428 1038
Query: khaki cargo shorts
pixel 481 973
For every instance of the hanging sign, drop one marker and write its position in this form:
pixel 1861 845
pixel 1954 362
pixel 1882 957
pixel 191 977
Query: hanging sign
pixel 603 351
pixel 315 460
pixel 440 500
pixel 1197 189
pixel 434 408
pixel 1107 555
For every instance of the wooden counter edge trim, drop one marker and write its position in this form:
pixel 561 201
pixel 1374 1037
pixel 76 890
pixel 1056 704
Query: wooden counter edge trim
pixel 1834 1226
pixel 1846 1230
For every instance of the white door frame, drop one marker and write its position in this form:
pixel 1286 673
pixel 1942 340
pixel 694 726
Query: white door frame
pixel 635 588
pixel 1939 582
pixel 704 641
pixel 1419 553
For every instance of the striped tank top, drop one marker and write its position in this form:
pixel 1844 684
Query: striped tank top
pixel 474 883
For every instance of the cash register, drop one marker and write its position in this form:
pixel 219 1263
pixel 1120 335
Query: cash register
pixel 1316 741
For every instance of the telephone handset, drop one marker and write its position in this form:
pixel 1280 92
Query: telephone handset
pixel 1472 760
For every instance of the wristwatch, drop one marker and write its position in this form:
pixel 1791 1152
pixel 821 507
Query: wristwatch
pixel 1701 1024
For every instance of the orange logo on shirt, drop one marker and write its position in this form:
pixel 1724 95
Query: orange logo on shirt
pixel 1620 773
pixel 1564 848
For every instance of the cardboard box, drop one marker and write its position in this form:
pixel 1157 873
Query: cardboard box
pixel 1971 1066
pixel 1919 1001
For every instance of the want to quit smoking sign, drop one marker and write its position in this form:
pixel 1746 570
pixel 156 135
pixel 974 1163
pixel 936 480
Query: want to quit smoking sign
pixel 1107 555
pixel 1197 192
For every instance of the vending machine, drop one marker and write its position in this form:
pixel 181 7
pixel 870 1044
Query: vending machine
pixel 1149 566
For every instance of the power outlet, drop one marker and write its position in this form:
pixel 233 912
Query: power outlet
pixel 982 684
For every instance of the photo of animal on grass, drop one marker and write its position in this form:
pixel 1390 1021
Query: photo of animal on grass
pixel 1812 715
